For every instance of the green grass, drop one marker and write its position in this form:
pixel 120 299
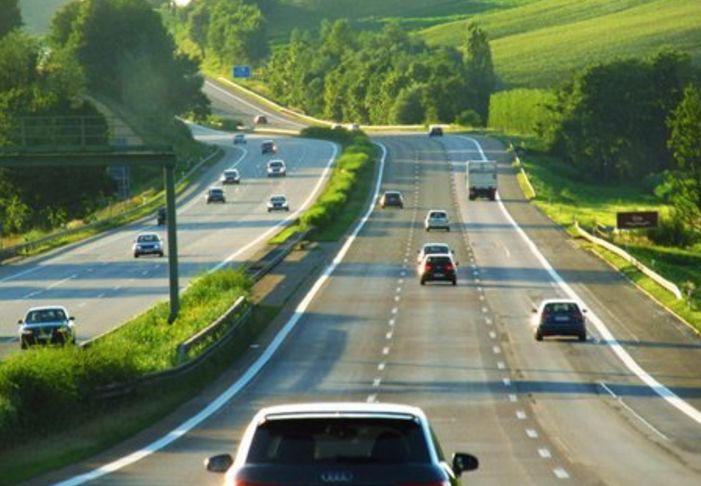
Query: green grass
pixel 541 42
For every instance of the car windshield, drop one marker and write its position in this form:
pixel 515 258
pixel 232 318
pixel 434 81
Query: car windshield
pixel 147 238
pixel 437 214
pixel 436 249
pixel 231 173
pixel 45 315
pixel 216 192
pixel 275 165
pixel 338 441
pixel 278 199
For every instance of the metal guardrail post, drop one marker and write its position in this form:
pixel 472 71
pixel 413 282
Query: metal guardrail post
pixel 169 179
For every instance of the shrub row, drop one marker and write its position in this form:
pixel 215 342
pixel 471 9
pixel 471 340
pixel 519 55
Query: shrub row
pixel 519 110
pixel 48 389
pixel 357 153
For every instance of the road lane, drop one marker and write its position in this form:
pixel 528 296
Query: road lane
pixel 103 285
pixel 535 413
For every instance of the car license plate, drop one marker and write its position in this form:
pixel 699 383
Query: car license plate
pixel 439 274
pixel 562 318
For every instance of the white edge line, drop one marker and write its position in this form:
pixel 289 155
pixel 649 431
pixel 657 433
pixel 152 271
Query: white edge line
pixel 661 390
pixel 627 407
pixel 252 371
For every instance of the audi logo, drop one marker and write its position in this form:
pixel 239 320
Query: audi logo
pixel 337 477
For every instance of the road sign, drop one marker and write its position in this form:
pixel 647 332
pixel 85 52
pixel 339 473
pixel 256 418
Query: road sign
pixel 242 71
pixel 636 219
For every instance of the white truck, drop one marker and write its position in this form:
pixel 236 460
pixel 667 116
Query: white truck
pixel 481 179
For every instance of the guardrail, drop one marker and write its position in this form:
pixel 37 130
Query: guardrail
pixel 666 284
pixel 15 250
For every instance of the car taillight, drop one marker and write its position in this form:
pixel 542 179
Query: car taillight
pixel 449 267
pixel 427 267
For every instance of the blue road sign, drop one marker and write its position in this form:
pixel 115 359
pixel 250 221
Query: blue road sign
pixel 242 71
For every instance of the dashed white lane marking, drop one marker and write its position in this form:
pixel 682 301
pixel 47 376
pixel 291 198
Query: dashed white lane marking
pixel 561 473
pixel 398 289
pixel 501 365
pixel 56 284
pixel 482 298
pixel 492 334
pixel 392 322
pixel 544 453
pixel 385 350
pixel 145 272
pixel 400 281
pixel 488 321
pixel 395 310
pixel 381 366
pixel 513 398
pixel 532 433
pixel 389 335
pixel 32 294
pixel 371 398
pixel 376 382
pixel 397 298
pixel 496 350
pixel 406 260
pixel 506 381
pixel 521 415
pixel 485 310
pixel 117 287
pixel 477 280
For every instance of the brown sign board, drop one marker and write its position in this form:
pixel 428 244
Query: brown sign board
pixel 636 219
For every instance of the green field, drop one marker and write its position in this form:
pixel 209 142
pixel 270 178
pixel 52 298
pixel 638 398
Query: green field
pixel 543 41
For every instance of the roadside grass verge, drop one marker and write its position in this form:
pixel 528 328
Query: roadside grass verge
pixel 72 379
pixel 565 196
pixel 346 192
pixel 118 420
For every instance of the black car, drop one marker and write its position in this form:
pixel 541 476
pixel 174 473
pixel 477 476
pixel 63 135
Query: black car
pixel 161 216
pixel 319 444
pixel 435 131
pixel 268 147
pixel 392 199
pixel 46 325
pixel 560 317
pixel 438 268
pixel 215 194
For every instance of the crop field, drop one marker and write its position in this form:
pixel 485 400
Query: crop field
pixel 538 43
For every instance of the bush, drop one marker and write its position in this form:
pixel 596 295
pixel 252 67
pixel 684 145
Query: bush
pixel 469 118
pixel 339 135
pixel 672 231
pixel 519 110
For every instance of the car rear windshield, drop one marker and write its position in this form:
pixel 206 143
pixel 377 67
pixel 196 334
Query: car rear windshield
pixel 392 195
pixel 442 260
pixel 338 441
pixel 436 249
pixel 561 308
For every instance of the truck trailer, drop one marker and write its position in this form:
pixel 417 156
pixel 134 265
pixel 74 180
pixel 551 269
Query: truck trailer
pixel 481 179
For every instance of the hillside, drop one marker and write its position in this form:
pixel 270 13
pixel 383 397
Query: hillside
pixel 539 43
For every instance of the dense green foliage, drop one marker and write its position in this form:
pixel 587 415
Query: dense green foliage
pixel 380 78
pixel 129 56
pixel 520 110
pixel 11 17
pixel 539 42
pixel 685 145
pixel 610 119
pixel 70 378
pixel 34 85
pixel 358 153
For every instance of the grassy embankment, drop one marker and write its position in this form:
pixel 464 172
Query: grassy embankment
pixel 566 196
pixel 541 42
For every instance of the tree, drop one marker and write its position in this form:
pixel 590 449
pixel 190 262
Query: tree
pixel 11 17
pixel 409 108
pixel 685 125
pixel 236 33
pixel 479 70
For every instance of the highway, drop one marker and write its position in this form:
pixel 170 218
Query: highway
pixel 101 283
pixel 617 409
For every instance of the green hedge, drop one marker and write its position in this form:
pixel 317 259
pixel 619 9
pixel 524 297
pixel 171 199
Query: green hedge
pixel 519 110
pixel 46 389
pixel 357 154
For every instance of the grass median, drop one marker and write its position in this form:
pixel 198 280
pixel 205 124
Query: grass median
pixel 346 192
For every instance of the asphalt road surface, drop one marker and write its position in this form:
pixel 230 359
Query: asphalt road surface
pixel 534 412
pixel 101 283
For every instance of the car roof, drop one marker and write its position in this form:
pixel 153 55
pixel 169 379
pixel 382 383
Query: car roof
pixel 268 140
pixel 435 244
pixel 215 188
pixel 278 195
pixel 393 192
pixel 545 302
pixel 437 211
pixel 47 307
pixel 276 160
pixel 148 233
pixel 339 409
pixel 231 170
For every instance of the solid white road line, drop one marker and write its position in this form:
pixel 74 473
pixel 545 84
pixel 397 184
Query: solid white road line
pixel 251 372
pixel 672 398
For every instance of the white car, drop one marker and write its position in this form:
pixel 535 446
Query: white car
pixel 433 249
pixel 148 244
pixel 46 325
pixel 239 138
pixel 278 202
pixel 340 444
pixel 437 219
pixel 276 167
pixel 231 176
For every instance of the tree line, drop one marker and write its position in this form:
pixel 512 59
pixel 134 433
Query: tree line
pixel 115 49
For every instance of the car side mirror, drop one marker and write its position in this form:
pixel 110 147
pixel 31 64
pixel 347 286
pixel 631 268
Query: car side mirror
pixel 20 322
pixel 457 263
pixel 219 464
pixel 72 318
pixel 464 462
pixel 584 311
pixel 534 311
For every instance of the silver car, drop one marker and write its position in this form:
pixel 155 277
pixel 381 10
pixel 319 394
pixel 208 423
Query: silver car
pixel 278 202
pixel 437 219
pixel 148 244
pixel 46 325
